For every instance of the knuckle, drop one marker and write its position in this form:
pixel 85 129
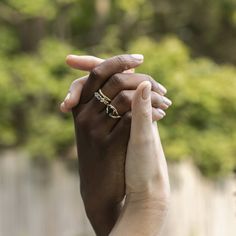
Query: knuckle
pixel 116 81
pixel 121 60
pixel 123 98
pixel 151 80
pixel 146 77
pixel 96 73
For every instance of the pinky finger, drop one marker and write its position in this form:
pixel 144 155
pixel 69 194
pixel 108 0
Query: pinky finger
pixel 157 114
pixel 63 108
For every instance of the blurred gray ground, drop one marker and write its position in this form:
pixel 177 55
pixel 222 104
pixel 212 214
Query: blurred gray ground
pixel 45 201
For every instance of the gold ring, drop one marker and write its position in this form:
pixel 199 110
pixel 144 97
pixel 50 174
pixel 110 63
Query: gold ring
pixel 112 112
pixel 102 98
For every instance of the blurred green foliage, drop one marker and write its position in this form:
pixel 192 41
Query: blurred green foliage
pixel 201 123
pixel 182 42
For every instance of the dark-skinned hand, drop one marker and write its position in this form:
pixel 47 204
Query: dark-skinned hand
pixel 101 140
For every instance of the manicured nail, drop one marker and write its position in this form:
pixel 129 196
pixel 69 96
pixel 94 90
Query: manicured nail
pixel 162 89
pixel 67 97
pixel 161 112
pixel 72 56
pixel 167 101
pixel 138 57
pixel 62 106
pixel 146 93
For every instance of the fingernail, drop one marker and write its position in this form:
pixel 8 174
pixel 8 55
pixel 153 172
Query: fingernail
pixel 146 93
pixel 138 57
pixel 67 97
pixel 68 57
pixel 161 112
pixel 72 56
pixel 167 101
pixel 163 90
pixel 62 106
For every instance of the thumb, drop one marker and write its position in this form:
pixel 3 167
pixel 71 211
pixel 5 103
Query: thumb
pixel 142 111
pixel 86 63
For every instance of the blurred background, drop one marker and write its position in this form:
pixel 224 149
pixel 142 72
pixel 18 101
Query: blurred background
pixel 189 46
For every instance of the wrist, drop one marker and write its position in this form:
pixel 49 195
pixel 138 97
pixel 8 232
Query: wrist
pixel 145 200
pixel 96 204
pixel 143 214
pixel 102 215
pixel 152 201
pixel 153 191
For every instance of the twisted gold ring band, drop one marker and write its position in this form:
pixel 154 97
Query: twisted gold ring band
pixel 112 112
pixel 102 98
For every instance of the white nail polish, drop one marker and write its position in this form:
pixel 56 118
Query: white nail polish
pixel 163 90
pixel 167 101
pixel 67 97
pixel 161 112
pixel 72 56
pixel 138 57
pixel 62 106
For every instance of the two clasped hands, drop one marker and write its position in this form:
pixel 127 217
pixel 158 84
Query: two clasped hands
pixel 123 172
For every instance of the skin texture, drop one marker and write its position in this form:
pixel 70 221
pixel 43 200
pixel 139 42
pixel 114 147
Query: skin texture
pixel 102 141
pixel 147 181
pixel 88 63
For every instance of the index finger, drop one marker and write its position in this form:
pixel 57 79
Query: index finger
pixel 99 75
